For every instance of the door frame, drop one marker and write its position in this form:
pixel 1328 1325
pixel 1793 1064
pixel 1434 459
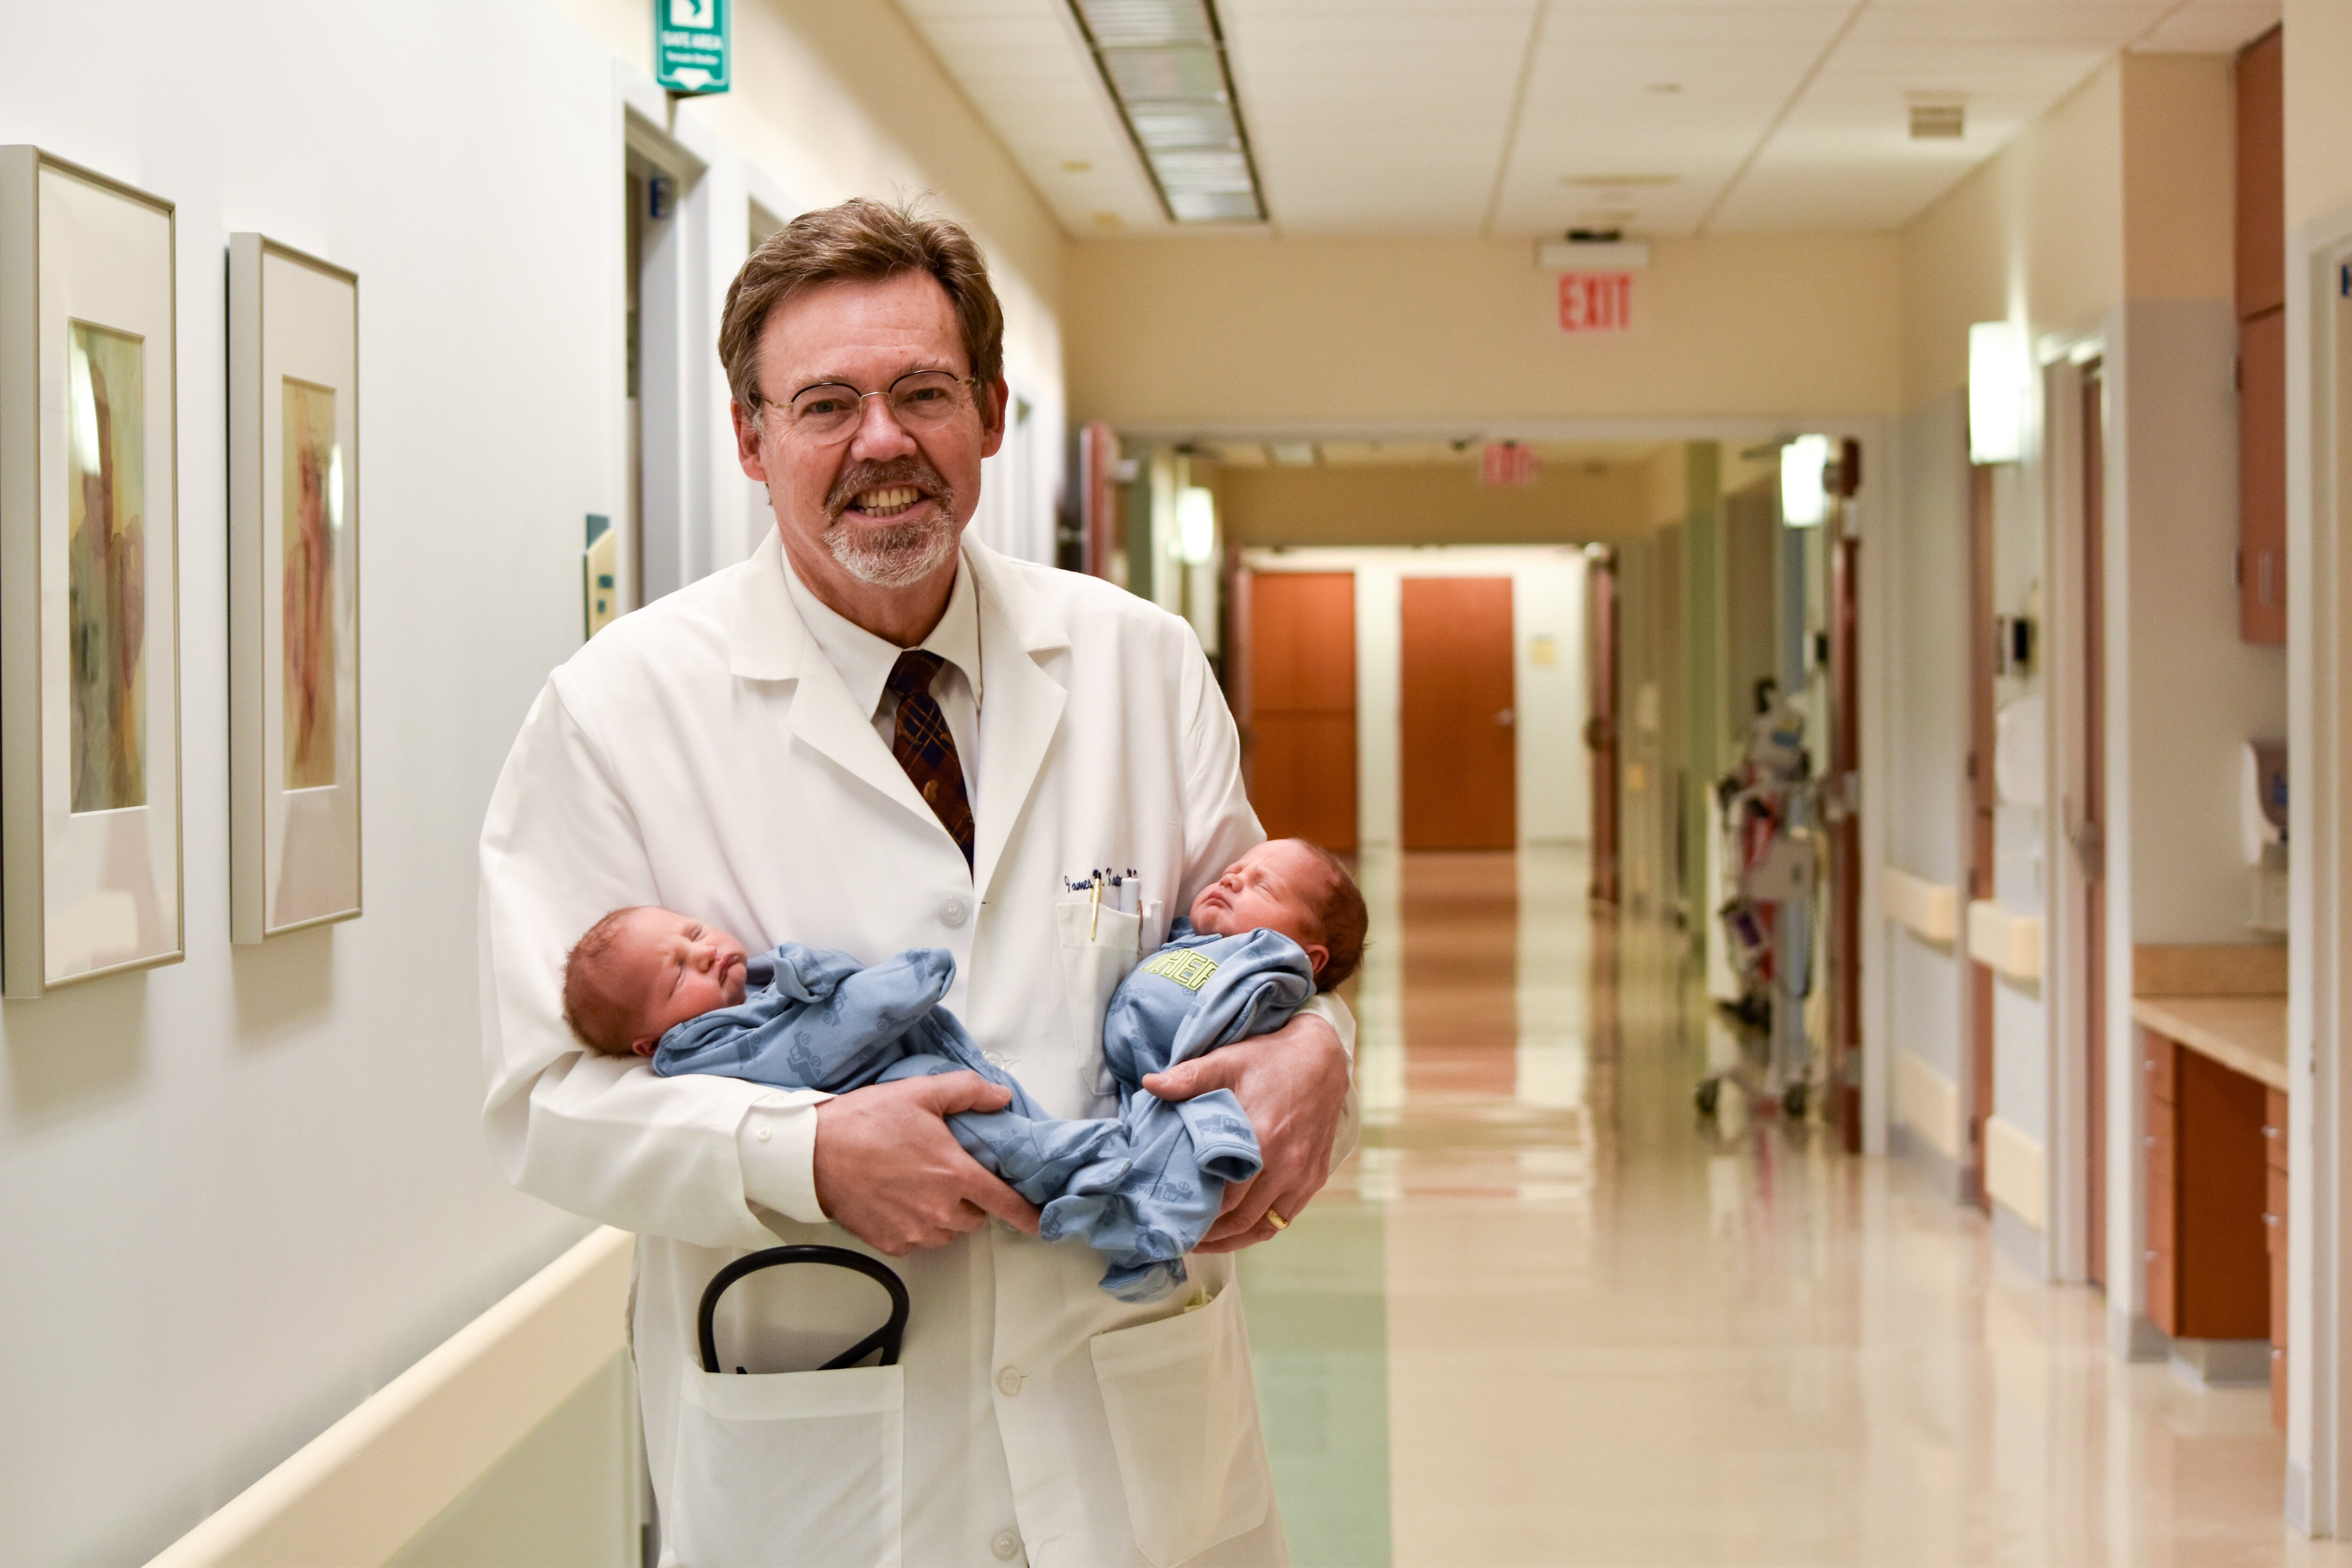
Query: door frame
pixel 1978 804
pixel 2319 774
pixel 2077 1061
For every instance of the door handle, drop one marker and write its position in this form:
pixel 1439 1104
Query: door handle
pixel 1505 719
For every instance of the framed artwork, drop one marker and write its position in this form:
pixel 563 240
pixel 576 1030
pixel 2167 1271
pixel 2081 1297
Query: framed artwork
pixel 294 607
pixel 89 667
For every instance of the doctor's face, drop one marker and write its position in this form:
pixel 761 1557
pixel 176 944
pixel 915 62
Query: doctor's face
pixel 871 493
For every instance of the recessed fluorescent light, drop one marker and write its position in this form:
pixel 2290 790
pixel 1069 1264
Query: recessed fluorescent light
pixel 1164 63
pixel 1291 454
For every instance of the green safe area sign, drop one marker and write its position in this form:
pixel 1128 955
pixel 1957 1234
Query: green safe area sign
pixel 690 45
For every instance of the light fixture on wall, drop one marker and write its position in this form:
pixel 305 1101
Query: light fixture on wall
pixel 1196 526
pixel 1804 485
pixel 1997 378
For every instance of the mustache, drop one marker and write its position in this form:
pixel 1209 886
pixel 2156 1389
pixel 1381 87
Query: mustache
pixel 863 476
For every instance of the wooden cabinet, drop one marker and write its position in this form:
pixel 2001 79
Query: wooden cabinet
pixel 2275 1222
pixel 2261 224
pixel 2208 1259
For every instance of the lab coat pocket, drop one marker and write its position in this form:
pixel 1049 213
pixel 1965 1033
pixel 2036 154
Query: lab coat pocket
pixel 1099 944
pixel 787 1469
pixel 1185 1424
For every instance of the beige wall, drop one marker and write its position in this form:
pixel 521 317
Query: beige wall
pixel 1431 504
pixel 2035 234
pixel 2319 109
pixel 2180 177
pixel 1242 332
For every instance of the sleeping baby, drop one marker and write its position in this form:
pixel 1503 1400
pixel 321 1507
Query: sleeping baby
pixel 1283 922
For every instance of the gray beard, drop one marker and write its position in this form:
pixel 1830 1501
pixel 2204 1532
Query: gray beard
pixel 901 553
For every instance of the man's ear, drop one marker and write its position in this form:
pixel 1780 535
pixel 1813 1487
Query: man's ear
pixel 644 1044
pixel 747 442
pixel 995 415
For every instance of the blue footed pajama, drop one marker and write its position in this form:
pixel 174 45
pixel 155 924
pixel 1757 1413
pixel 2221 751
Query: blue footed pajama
pixel 1141 1189
pixel 1199 992
pixel 810 1018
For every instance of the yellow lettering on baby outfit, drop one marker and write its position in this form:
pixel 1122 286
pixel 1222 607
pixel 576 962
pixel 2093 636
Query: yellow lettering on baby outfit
pixel 1189 970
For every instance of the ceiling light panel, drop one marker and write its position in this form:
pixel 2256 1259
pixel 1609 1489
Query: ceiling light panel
pixel 1024 68
pixel 1164 63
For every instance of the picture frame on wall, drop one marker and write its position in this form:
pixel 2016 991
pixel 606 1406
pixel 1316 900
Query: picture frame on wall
pixel 90 872
pixel 294 612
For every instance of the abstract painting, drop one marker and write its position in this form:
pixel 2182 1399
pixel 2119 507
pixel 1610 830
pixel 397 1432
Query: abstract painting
pixel 294 591
pixel 106 575
pixel 313 478
pixel 90 878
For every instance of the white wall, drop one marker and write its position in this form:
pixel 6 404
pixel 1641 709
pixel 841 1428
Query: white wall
pixel 1546 599
pixel 239 1194
pixel 1926 646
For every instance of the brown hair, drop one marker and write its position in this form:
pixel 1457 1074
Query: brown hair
pixel 1342 918
pixel 861 240
pixel 599 1019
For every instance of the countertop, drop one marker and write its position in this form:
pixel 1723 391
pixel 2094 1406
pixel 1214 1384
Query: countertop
pixel 2244 1034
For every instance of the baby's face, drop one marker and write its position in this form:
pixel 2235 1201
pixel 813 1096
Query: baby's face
pixel 669 968
pixel 1274 887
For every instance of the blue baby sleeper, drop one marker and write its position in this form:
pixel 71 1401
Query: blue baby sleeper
pixel 1199 992
pixel 812 1018
pixel 1141 1189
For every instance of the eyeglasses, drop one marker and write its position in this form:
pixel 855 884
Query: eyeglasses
pixel 919 400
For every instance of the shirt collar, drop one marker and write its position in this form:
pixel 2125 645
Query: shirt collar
pixel 865 661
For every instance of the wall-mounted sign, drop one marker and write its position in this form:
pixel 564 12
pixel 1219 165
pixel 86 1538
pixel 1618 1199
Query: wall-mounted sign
pixel 1506 463
pixel 690 46
pixel 1596 301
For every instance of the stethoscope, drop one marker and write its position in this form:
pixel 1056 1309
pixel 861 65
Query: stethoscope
pixel 887 1339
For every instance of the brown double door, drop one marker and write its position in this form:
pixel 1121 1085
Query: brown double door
pixel 1458 726
pixel 1301 706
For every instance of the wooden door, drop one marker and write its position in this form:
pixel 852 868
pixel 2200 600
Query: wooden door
pixel 2090 836
pixel 1981 802
pixel 1601 720
pixel 1299 707
pixel 1458 731
pixel 1845 839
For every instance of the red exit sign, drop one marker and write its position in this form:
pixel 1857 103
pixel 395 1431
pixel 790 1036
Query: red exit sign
pixel 1596 301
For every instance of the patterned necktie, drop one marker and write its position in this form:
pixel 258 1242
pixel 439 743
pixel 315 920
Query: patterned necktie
pixel 926 750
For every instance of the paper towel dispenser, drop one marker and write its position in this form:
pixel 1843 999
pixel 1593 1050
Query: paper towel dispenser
pixel 2262 797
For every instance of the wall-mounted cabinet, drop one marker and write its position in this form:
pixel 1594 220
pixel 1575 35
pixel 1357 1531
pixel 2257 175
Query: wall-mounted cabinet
pixel 2260 226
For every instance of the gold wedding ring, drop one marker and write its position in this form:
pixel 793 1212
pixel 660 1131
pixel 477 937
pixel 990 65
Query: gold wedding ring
pixel 1280 1223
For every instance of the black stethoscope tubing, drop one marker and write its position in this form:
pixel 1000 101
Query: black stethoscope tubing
pixel 887 1339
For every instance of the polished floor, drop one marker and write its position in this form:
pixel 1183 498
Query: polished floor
pixel 1546 1315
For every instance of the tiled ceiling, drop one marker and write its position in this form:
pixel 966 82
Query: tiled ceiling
pixel 1528 117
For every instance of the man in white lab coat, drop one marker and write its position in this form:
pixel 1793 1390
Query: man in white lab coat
pixel 874 735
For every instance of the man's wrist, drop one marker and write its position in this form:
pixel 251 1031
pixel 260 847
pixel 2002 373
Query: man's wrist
pixel 776 1146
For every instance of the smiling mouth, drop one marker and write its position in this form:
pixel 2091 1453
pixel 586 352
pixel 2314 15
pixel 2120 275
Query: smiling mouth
pixel 886 502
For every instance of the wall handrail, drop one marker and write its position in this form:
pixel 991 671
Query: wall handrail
pixel 361 1490
pixel 1928 910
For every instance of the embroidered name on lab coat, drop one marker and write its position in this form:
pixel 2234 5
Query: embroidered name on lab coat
pixel 1189 970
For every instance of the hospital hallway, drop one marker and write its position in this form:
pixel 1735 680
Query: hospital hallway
pixel 1548 1314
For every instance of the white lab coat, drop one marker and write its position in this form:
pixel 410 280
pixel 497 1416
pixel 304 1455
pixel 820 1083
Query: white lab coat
pixel 703 755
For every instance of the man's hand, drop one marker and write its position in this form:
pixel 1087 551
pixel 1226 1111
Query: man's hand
pixel 889 1173
pixel 1294 1084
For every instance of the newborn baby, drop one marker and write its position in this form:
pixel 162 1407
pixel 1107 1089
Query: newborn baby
pixel 1142 1188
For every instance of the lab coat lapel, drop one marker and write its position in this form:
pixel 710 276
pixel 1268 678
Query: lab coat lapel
pixel 1020 709
pixel 767 640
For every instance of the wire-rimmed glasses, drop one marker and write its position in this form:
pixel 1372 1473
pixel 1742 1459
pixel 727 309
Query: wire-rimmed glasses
pixel 830 411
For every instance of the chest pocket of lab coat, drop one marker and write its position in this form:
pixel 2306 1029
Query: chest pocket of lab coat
pixel 787 1469
pixel 1098 947
pixel 1185 1424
